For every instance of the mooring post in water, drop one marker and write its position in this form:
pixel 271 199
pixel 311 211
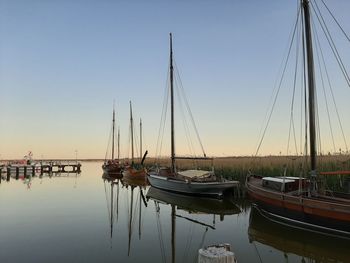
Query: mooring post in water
pixel 17 172
pixel 25 171
pixel 8 174
pixel 33 170
pixel 0 174
pixel 216 254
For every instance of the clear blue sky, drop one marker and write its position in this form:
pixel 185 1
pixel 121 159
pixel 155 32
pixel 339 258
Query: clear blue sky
pixel 63 62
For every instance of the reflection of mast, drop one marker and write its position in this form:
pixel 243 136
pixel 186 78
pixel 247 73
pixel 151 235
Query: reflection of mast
pixel 130 220
pixel 111 219
pixel 140 215
pixel 113 208
pixel 173 214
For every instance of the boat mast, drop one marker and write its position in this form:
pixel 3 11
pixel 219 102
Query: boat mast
pixel 140 139
pixel 113 133
pixel 172 106
pixel 132 134
pixel 311 88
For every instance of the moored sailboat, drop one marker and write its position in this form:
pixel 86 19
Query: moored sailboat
pixel 195 182
pixel 298 201
pixel 133 172
pixel 113 166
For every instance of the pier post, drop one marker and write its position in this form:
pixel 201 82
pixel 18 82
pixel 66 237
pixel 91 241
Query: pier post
pixel 17 172
pixel 33 170
pixel 8 174
pixel 216 254
pixel 0 174
pixel 25 171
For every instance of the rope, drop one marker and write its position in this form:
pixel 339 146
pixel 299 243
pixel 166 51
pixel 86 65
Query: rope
pixel 160 234
pixel 336 21
pixel 109 141
pixel 291 123
pixel 188 108
pixel 184 119
pixel 163 119
pixel 318 47
pixel 331 43
pixel 279 86
pixel 342 69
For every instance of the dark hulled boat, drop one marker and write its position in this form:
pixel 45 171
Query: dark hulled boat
pixel 298 201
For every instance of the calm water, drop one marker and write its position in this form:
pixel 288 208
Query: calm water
pixel 68 218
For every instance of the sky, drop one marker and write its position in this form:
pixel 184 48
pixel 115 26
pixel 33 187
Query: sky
pixel 63 63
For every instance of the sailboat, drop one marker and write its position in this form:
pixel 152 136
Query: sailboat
pixel 195 182
pixel 112 166
pixel 297 201
pixel 133 172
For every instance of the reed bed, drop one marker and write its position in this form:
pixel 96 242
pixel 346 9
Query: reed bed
pixel 237 168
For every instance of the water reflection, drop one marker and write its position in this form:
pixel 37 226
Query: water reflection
pixel 188 206
pixel 28 178
pixel 135 200
pixel 311 247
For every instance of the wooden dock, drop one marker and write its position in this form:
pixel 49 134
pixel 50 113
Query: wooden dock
pixel 47 167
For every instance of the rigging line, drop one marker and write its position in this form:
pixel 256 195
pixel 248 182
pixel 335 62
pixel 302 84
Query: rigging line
pixel 279 87
pixel 331 44
pixel 137 203
pixel 305 97
pixel 336 21
pixel 188 243
pixel 318 47
pixel 188 108
pixel 184 119
pixel 107 194
pixel 160 233
pixel 291 124
pixel 332 93
pixel 109 141
pixel 275 85
pixel 163 118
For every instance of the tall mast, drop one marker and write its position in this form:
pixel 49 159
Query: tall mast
pixel 132 135
pixel 140 139
pixel 172 106
pixel 311 88
pixel 113 132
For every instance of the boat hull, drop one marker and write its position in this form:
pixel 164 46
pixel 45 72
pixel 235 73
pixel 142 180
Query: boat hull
pixel 194 204
pixel 214 189
pixel 314 214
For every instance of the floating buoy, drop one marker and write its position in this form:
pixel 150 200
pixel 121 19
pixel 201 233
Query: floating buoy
pixel 216 254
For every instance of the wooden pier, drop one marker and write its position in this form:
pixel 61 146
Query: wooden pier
pixel 48 167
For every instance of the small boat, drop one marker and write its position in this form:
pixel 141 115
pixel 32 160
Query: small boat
pixel 133 172
pixel 112 166
pixel 297 201
pixel 193 182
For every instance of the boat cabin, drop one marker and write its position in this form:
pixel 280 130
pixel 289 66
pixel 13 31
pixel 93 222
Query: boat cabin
pixel 283 184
